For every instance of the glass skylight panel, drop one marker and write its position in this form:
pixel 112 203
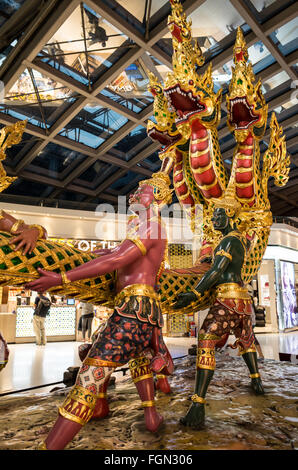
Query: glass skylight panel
pixel 285 106
pixel 138 8
pixel 37 98
pixel 8 8
pixel 96 174
pixel 81 136
pixel 275 81
pixel 57 159
pixel 286 36
pixel 132 86
pixel 93 125
pixel 129 180
pixel 259 56
pixel 21 187
pixel 135 105
pixel 8 37
pixel 134 142
pixel 212 22
pixel 107 119
pixel 84 43
pixel 261 5
pixel 161 69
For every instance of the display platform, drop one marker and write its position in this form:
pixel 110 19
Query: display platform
pixel 236 419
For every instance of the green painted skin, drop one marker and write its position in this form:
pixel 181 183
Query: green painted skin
pixel 223 269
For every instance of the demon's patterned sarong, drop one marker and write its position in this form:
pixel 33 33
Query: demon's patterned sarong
pixel 129 330
pixel 225 318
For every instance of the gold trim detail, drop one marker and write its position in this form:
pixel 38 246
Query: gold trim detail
pixel 161 184
pixel 243 169
pixel 42 446
pixel 202 169
pixel 139 244
pixel 232 291
pixel 140 369
pixel 142 377
pixel 90 361
pixel 244 351
pixel 160 376
pixel 242 156
pixel 206 358
pixel 148 404
pixel 205 187
pixel 41 230
pixel 15 227
pixel 137 289
pixel 254 376
pixel 198 295
pixel 199 153
pixel 199 141
pixel 196 399
pixel 102 395
pixel 65 279
pixel 224 253
pixel 208 337
pixel 79 405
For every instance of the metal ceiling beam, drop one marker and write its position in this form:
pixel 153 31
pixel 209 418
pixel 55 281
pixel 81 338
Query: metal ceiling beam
pixel 110 74
pixel 40 32
pixel 156 34
pixel 189 6
pixel 101 153
pixel 283 17
pixel 91 97
pixel 246 14
pixel 80 103
pixel 11 198
pixel 286 199
pixel 222 133
pixel 58 184
pixel 267 27
pixel 120 23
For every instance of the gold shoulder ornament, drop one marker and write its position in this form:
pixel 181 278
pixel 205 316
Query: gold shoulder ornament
pixel 224 253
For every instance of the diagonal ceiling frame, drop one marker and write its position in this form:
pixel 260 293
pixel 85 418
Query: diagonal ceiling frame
pixel 246 14
pixel 77 106
pixel 26 58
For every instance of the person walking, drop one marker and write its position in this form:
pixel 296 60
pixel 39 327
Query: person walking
pixel 87 315
pixel 42 308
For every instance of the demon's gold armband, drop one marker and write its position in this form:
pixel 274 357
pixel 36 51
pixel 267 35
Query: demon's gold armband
pixel 139 244
pixel 41 230
pixel 16 226
pixel 65 280
pixel 224 253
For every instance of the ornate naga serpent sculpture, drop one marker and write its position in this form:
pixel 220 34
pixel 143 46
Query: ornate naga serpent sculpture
pixel 199 175
pixel 187 113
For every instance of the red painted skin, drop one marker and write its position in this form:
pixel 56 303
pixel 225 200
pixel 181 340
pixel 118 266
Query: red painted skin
pixel 132 267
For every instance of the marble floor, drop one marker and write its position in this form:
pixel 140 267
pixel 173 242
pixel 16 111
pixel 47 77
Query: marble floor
pixel 37 366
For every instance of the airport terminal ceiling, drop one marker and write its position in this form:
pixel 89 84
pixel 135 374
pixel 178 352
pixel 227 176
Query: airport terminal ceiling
pixel 77 71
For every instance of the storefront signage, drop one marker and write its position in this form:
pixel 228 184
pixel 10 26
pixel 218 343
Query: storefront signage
pixel 86 245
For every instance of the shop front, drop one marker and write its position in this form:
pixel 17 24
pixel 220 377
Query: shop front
pixel 277 281
pixel 17 313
